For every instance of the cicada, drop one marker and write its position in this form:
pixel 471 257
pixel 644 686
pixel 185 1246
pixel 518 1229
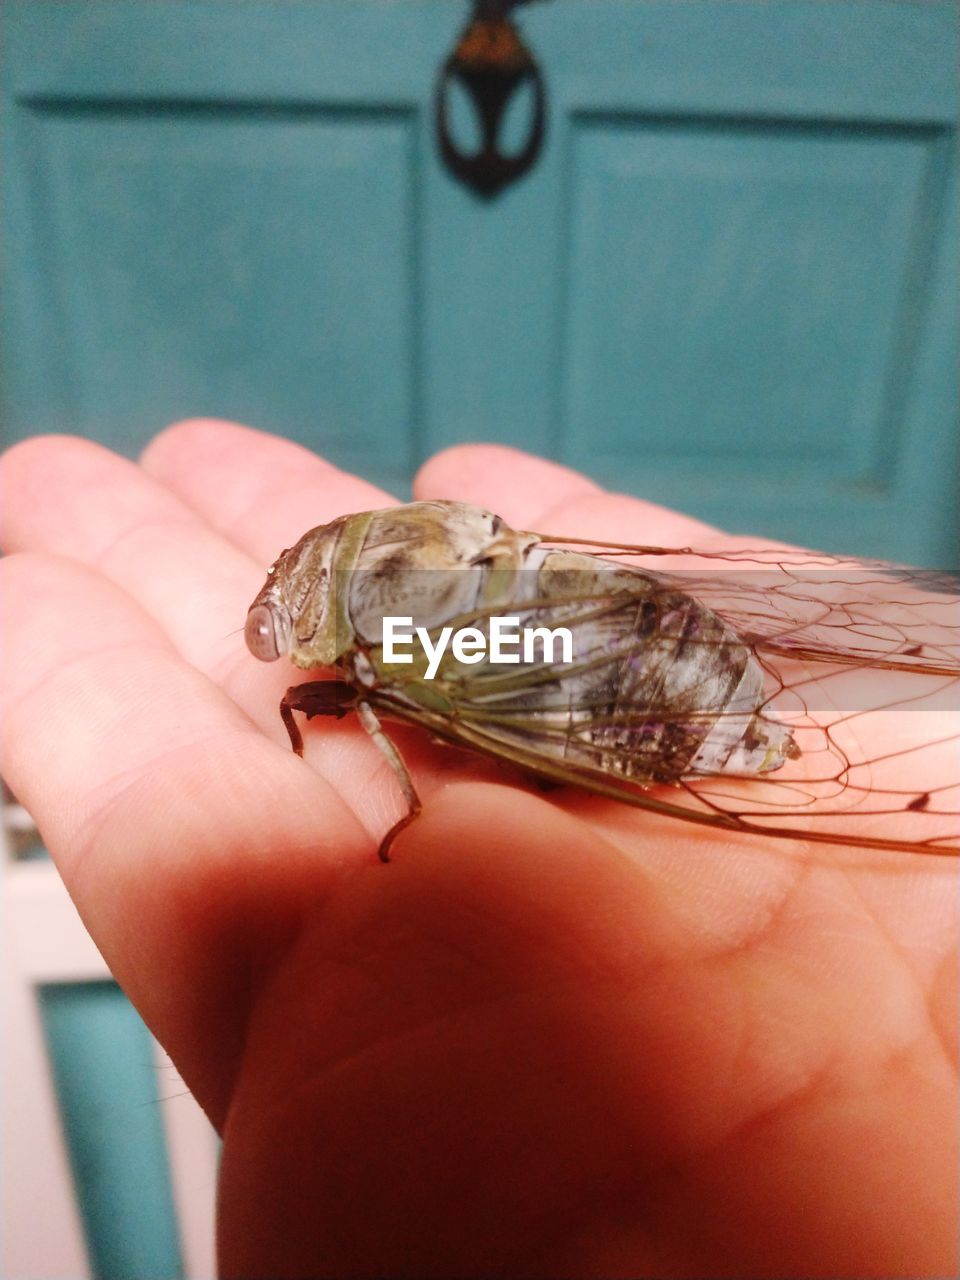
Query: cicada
pixel 765 692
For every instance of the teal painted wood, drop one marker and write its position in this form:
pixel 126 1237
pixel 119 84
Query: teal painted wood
pixel 108 1089
pixel 728 285
pixel 189 295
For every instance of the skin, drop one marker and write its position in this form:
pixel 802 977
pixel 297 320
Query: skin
pixel 556 1036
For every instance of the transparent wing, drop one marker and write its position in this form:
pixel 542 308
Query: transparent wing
pixel 793 600
pixel 860 660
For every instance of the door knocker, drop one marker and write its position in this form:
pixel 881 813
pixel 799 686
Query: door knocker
pixel 491 62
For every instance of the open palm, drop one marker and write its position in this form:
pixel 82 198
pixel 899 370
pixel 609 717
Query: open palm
pixel 556 1036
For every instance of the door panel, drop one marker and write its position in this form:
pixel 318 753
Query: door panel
pixel 188 279
pixel 766 325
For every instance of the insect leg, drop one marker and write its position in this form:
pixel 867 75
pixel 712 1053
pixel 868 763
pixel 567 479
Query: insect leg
pixel 317 698
pixel 372 725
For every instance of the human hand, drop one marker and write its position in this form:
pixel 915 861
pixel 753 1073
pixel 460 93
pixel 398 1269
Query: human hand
pixel 557 1036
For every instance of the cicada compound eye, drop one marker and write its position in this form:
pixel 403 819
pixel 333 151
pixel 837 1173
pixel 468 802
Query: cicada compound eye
pixel 265 633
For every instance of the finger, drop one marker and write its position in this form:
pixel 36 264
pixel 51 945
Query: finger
pixel 530 492
pixel 187 839
pixel 71 496
pixel 521 485
pixel 259 490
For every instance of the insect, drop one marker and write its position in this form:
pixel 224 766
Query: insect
pixel 767 692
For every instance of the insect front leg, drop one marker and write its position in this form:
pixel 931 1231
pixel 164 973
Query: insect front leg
pixel 317 698
pixel 373 726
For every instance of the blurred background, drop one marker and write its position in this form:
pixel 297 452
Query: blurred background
pixel 723 275
pixel 726 282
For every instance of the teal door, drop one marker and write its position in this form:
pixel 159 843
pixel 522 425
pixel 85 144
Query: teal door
pixel 728 284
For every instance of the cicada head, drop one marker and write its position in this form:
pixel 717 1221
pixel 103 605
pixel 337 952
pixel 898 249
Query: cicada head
pixel 294 613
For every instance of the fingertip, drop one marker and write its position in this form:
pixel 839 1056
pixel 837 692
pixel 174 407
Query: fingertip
pixel 27 453
pixel 622 517
pixel 516 485
pixel 535 493
pixel 191 440
pixel 40 476
pixel 262 490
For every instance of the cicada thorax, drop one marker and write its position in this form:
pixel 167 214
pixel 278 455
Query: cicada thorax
pixel 429 561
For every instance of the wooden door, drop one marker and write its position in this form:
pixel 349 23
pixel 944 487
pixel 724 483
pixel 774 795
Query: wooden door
pixel 728 284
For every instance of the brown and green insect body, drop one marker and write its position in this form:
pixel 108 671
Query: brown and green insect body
pixel 660 689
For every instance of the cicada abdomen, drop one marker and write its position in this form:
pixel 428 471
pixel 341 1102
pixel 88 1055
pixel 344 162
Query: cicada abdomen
pixel 762 694
pixel 657 687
